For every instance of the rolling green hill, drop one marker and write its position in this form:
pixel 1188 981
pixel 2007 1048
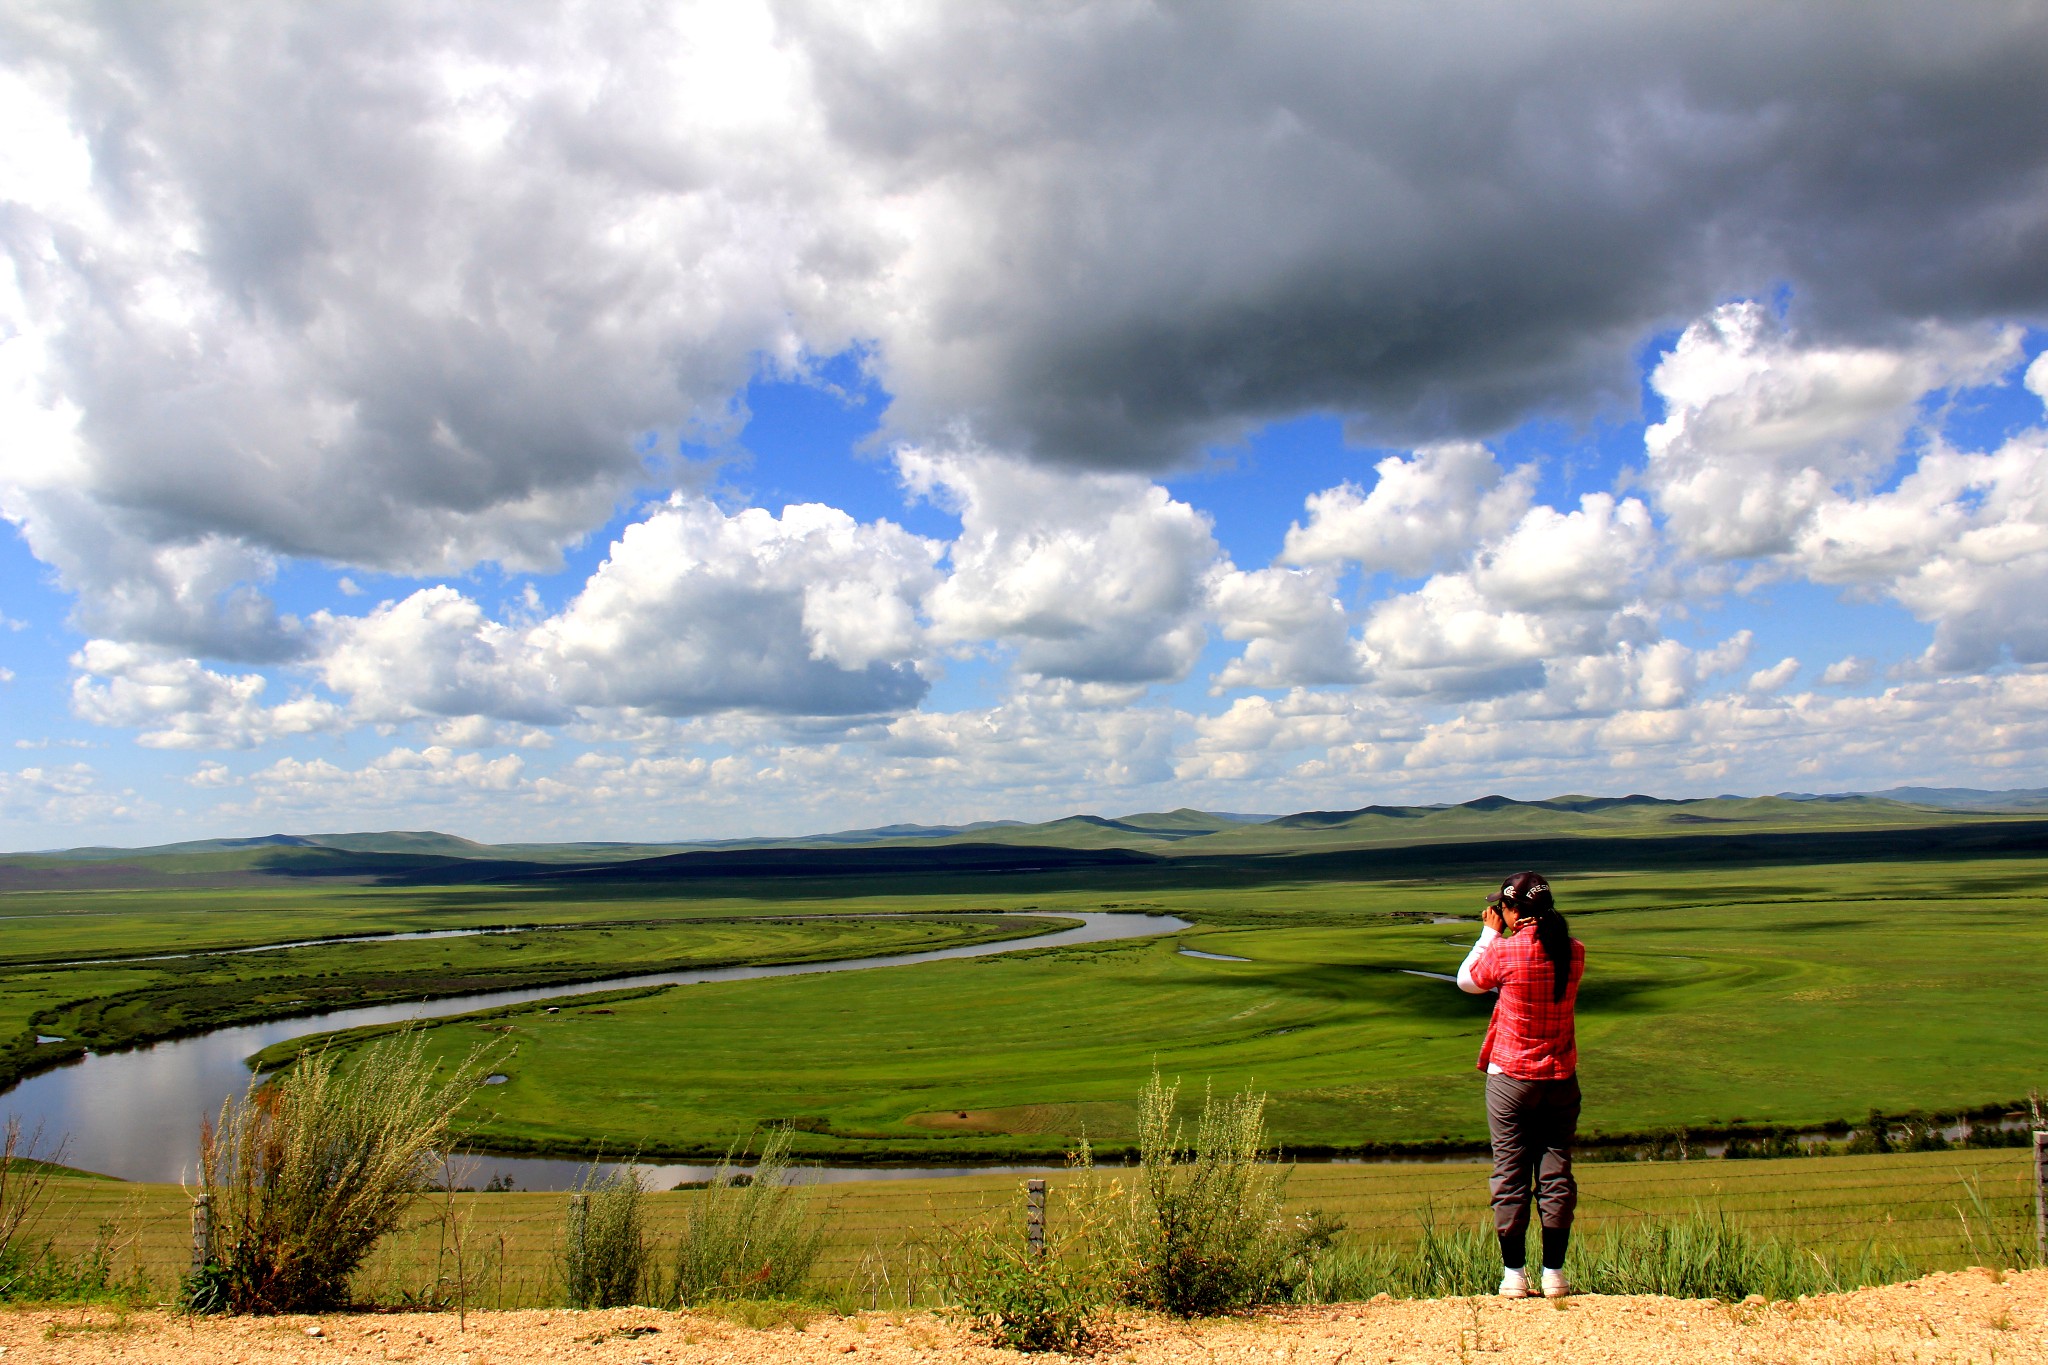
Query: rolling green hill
pixel 1206 846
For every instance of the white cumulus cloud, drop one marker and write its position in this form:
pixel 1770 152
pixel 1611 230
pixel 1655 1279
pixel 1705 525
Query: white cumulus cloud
pixel 1424 513
pixel 695 610
pixel 1762 429
pixel 404 288
pixel 177 703
pixel 1097 578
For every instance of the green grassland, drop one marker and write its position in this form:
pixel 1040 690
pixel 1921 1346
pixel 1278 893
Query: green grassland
pixel 1799 997
pixel 1754 962
pixel 1913 1204
pixel 1751 964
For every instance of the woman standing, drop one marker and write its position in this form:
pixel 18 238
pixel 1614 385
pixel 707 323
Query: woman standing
pixel 1531 1061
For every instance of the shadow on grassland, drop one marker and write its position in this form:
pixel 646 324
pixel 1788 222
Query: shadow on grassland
pixel 1009 868
pixel 1422 997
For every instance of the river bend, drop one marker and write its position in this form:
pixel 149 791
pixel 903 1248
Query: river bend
pixel 136 1114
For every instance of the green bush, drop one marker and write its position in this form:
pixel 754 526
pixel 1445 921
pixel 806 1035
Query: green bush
pixel 1201 1229
pixel 605 1256
pixel 748 1235
pixel 306 1173
pixel 1057 1296
pixel 1873 1138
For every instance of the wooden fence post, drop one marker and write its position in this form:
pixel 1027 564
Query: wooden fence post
pixel 202 1231
pixel 1034 1216
pixel 2041 1195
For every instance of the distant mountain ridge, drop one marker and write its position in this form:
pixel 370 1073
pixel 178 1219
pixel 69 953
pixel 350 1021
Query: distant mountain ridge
pixel 1964 798
pixel 1172 835
pixel 388 841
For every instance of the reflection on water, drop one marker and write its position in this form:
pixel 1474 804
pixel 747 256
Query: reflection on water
pixel 543 1173
pixel 136 1114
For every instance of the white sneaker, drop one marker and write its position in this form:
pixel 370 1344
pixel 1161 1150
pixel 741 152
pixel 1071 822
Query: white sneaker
pixel 1555 1285
pixel 1514 1285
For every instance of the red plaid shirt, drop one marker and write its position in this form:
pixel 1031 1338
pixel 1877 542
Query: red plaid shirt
pixel 1531 1036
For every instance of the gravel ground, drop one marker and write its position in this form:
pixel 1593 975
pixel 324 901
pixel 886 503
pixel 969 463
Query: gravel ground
pixel 1970 1316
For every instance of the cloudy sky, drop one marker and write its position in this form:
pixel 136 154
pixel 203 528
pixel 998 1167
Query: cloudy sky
pixel 664 421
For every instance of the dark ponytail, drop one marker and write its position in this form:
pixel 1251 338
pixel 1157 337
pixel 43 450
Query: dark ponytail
pixel 1528 895
pixel 1556 937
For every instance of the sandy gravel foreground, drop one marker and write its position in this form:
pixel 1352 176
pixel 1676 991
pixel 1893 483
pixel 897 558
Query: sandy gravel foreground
pixel 1971 1316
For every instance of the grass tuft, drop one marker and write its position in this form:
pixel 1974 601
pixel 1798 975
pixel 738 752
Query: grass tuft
pixel 1697 1256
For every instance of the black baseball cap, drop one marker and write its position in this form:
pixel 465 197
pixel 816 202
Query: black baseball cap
pixel 1523 891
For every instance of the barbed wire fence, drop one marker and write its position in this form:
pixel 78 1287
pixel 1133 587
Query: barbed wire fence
pixel 1934 1210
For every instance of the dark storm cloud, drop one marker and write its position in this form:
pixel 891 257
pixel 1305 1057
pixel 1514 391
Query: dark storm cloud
pixel 1436 219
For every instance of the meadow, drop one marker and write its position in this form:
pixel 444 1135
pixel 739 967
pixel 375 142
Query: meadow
pixel 1739 996
pixel 1801 998
pixel 106 970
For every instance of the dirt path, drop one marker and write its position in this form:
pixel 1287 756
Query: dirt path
pixel 1966 1317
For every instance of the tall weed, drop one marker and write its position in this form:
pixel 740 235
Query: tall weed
pixel 1442 1264
pixel 310 1170
pixel 24 1193
pixel 2007 1243
pixel 606 1257
pixel 748 1235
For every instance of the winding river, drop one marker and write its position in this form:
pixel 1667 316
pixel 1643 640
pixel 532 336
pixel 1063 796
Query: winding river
pixel 136 1114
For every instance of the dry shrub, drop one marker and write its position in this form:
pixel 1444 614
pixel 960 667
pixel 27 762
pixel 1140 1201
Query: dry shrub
pixel 306 1173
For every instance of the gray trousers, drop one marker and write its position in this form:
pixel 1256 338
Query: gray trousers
pixel 1533 1124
